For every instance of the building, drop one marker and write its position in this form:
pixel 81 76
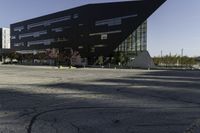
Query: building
pixel 4 38
pixel 90 31
pixel 4 42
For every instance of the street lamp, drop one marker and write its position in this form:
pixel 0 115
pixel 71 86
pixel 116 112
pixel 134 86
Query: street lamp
pixel 181 60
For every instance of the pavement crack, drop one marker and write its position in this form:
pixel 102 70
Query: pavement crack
pixel 193 126
pixel 75 126
pixel 36 116
pixel 28 112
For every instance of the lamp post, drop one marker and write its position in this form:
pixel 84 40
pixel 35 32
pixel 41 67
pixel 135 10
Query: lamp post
pixel 181 57
pixel 161 56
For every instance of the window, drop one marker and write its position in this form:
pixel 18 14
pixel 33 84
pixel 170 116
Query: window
pixel 24 35
pixel 37 25
pixel 62 39
pixel 99 46
pixel 13 37
pixel 57 29
pixel 80 47
pixel 80 24
pixel 105 33
pixel 113 21
pixel 109 22
pixel 20 28
pixel 104 36
pixel 49 22
pixel 75 16
pixel 37 34
pixel 92 49
pixel 59 19
pixel 45 42
pixel 18 44
pixel 33 34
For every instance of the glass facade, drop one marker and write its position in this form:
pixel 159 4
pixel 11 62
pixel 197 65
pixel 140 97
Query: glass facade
pixel 136 42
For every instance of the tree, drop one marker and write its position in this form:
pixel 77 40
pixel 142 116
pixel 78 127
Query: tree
pixel 175 60
pixel 12 55
pixel 100 60
pixel 120 58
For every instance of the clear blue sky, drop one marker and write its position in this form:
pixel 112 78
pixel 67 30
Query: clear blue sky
pixel 175 25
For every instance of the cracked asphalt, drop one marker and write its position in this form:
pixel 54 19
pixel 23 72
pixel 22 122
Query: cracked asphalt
pixel 49 100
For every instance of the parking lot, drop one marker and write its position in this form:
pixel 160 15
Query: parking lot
pixel 50 100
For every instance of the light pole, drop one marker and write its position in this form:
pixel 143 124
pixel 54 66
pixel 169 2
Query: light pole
pixel 181 57
pixel 161 55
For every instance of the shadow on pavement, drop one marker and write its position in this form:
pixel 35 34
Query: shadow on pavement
pixel 164 101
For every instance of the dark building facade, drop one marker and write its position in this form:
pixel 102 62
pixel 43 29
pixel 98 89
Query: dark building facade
pixel 93 30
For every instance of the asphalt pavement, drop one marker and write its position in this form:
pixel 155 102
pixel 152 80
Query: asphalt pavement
pixel 50 100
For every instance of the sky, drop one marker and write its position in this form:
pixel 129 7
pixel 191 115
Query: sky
pixel 174 26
